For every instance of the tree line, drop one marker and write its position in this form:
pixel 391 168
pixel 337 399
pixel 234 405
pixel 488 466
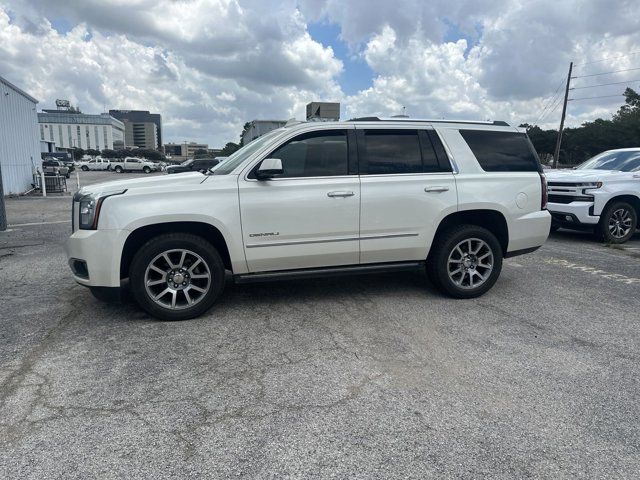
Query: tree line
pixel 591 138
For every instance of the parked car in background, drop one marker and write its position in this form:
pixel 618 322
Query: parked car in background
pixel 51 166
pixel 601 194
pixel 133 164
pixel 93 164
pixel 194 165
pixel 313 199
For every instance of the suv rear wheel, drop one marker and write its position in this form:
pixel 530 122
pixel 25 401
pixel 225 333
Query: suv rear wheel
pixel 465 262
pixel 618 222
pixel 118 169
pixel 146 170
pixel 176 276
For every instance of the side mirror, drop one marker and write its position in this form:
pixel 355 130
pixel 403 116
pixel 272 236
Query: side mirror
pixel 268 168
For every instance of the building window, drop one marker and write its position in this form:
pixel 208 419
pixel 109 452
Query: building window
pixel 105 140
pixel 86 132
pixel 70 136
pixel 60 135
pixel 51 132
pixel 79 137
pixel 41 132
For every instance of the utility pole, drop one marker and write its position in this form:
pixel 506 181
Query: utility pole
pixel 564 113
pixel 3 212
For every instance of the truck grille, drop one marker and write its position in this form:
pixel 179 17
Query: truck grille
pixel 565 192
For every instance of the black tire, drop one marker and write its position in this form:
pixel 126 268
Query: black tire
pixel 84 168
pixel 146 170
pixel 445 244
pixel 616 218
pixel 68 175
pixel 163 243
pixel 118 169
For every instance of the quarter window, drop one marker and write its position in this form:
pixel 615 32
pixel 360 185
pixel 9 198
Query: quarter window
pixel 502 151
pixel 315 154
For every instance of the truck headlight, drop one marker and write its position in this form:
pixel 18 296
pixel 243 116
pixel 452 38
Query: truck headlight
pixel 591 186
pixel 90 206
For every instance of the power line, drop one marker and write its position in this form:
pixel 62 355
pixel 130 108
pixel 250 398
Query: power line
pixel 590 98
pixel 555 107
pixel 610 58
pixel 604 84
pixel 549 101
pixel 606 73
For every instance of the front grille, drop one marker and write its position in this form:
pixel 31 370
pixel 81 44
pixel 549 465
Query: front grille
pixel 569 198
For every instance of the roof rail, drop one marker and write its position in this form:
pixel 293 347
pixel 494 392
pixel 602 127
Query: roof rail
pixel 429 120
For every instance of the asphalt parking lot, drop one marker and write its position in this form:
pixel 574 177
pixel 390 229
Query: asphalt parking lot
pixel 354 377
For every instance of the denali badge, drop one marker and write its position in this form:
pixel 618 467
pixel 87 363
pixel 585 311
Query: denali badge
pixel 266 234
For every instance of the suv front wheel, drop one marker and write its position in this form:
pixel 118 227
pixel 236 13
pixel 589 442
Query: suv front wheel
pixel 176 276
pixel 465 261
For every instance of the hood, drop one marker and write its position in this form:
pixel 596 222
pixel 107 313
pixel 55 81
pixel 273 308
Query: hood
pixel 581 175
pixel 160 181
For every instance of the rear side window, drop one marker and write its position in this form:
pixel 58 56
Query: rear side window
pixel 502 151
pixel 392 151
pixel 401 151
pixel 315 154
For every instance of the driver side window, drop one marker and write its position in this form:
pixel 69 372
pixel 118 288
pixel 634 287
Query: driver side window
pixel 314 154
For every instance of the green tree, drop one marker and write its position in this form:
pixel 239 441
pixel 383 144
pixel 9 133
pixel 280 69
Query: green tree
pixel 200 153
pixel 78 153
pixel 108 153
pixel 229 148
pixel 92 152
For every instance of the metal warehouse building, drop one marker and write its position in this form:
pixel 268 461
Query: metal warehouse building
pixel 19 140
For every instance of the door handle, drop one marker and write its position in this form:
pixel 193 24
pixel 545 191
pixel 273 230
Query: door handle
pixel 436 189
pixel 340 194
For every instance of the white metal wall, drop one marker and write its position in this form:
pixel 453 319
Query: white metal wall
pixel 19 139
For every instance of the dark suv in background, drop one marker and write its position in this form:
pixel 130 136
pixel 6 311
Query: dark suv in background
pixel 195 165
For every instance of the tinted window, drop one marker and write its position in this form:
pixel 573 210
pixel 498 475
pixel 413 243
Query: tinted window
pixel 624 161
pixel 502 151
pixel 392 151
pixel 315 154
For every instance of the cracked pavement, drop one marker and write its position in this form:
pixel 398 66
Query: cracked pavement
pixel 361 377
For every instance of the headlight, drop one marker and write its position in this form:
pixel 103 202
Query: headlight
pixel 591 186
pixel 90 205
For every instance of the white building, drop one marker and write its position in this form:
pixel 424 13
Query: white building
pixel 19 139
pixel 80 130
pixel 258 128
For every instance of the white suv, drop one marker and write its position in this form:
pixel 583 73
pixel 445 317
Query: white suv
pixel 601 194
pixel 309 199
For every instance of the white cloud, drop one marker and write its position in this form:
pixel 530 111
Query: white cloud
pixel 210 65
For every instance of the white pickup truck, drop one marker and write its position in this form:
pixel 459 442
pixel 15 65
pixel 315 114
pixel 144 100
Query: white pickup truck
pixel 318 198
pixel 93 164
pixel 133 164
pixel 601 194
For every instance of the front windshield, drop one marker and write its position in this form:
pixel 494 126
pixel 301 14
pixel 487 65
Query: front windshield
pixel 188 162
pixel 239 156
pixel 623 161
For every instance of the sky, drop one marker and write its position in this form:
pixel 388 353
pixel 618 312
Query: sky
pixel 209 66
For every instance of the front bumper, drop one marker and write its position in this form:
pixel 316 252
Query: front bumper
pixel 94 256
pixel 574 213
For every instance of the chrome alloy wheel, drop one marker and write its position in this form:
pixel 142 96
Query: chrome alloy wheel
pixel 177 279
pixel 620 223
pixel 470 263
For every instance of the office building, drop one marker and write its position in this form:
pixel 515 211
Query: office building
pixel 80 130
pixel 141 132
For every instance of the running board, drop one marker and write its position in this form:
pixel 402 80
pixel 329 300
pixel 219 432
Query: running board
pixel 327 272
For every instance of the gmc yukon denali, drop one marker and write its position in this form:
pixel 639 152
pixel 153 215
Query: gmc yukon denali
pixel 318 198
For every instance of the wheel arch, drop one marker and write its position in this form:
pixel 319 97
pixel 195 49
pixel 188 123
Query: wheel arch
pixel 142 234
pixel 492 220
pixel 631 199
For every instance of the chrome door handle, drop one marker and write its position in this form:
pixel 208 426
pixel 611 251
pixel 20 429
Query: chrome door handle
pixel 340 194
pixel 436 189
